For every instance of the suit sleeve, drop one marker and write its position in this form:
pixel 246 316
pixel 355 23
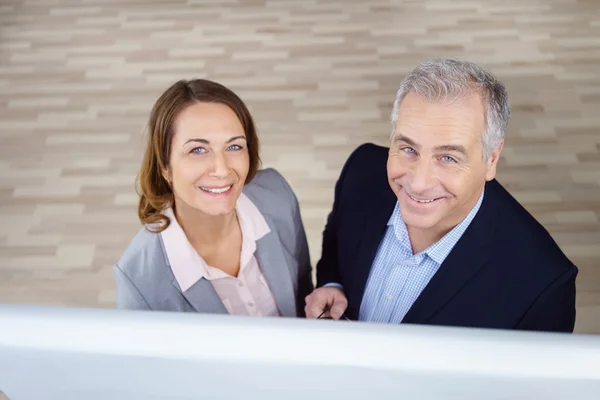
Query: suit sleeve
pixel 554 310
pixel 301 250
pixel 305 282
pixel 328 266
pixel 128 295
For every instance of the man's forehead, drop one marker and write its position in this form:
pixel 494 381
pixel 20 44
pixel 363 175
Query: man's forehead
pixel 472 100
pixel 465 117
pixel 453 136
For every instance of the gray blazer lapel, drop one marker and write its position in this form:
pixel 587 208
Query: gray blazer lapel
pixel 203 297
pixel 274 266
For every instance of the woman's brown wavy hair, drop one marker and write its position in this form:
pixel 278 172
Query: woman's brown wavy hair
pixel 152 187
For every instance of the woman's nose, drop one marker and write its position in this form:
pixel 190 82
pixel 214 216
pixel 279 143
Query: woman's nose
pixel 220 165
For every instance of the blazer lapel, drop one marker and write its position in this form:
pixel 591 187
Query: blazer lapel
pixel 203 297
pixel 274 266
pixel 464 261
pixel 376 217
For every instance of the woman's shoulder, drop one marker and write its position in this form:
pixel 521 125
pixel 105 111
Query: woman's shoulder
pixel 270 184
pixel 271 193
pixel 270 179
pixel 143 250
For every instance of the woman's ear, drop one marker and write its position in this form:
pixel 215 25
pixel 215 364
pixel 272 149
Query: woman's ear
pixel 167 176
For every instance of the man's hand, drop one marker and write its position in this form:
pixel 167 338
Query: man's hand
pixel 320 298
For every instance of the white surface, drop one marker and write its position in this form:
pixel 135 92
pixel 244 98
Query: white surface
pixel 65 353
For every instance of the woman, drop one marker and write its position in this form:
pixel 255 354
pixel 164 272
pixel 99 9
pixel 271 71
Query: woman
pixel 220 236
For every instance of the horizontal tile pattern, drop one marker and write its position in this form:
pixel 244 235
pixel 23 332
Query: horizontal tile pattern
pixel 78 78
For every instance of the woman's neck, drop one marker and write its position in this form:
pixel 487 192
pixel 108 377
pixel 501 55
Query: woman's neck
pixel 202 229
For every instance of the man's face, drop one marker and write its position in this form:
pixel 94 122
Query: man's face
pixel 435 165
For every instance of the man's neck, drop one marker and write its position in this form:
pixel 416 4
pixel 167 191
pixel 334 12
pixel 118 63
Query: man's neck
pixel 422 239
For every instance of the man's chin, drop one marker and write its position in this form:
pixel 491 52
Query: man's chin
pixel 421 225
pixel 419 220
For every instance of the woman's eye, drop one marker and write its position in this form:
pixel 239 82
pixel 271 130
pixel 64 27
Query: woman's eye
pixel 198 150
pixel 235 147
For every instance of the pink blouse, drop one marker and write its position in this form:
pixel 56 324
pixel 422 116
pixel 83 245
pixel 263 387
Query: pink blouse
pixel 246 294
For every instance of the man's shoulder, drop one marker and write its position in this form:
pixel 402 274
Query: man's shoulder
pixel 520 233
pixel 369 152
pixel 367 166
pixel 363 184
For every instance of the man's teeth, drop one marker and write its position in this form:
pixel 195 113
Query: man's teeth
pixel 421 201
pixel 216 190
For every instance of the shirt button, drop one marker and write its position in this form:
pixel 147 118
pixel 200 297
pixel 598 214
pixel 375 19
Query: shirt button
pixel 251 304
pixel 389 298
pixel 241 284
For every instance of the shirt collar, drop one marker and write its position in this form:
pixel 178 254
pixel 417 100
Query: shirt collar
pixel 187 265
pixel 439 250
pixel 252 222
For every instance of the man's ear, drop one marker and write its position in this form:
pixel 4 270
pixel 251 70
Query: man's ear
pixel 492 162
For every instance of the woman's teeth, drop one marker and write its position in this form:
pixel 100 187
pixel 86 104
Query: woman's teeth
pixel 216 190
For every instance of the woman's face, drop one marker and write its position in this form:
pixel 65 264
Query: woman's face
pixel 209 159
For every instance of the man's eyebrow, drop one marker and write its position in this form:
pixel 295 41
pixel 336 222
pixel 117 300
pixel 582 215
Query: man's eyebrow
pixel 452 148
pixel 407 140
pixel 456 148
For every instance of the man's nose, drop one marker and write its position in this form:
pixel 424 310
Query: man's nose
pixel 422 178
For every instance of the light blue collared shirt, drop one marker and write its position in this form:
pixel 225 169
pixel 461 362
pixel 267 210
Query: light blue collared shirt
pixel 398 276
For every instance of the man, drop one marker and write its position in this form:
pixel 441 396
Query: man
pixel 422 232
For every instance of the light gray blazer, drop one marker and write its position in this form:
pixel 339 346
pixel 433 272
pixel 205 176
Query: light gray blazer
pixel 145 281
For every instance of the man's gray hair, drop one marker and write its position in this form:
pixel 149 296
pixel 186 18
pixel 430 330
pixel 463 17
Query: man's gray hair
pixel 448 79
